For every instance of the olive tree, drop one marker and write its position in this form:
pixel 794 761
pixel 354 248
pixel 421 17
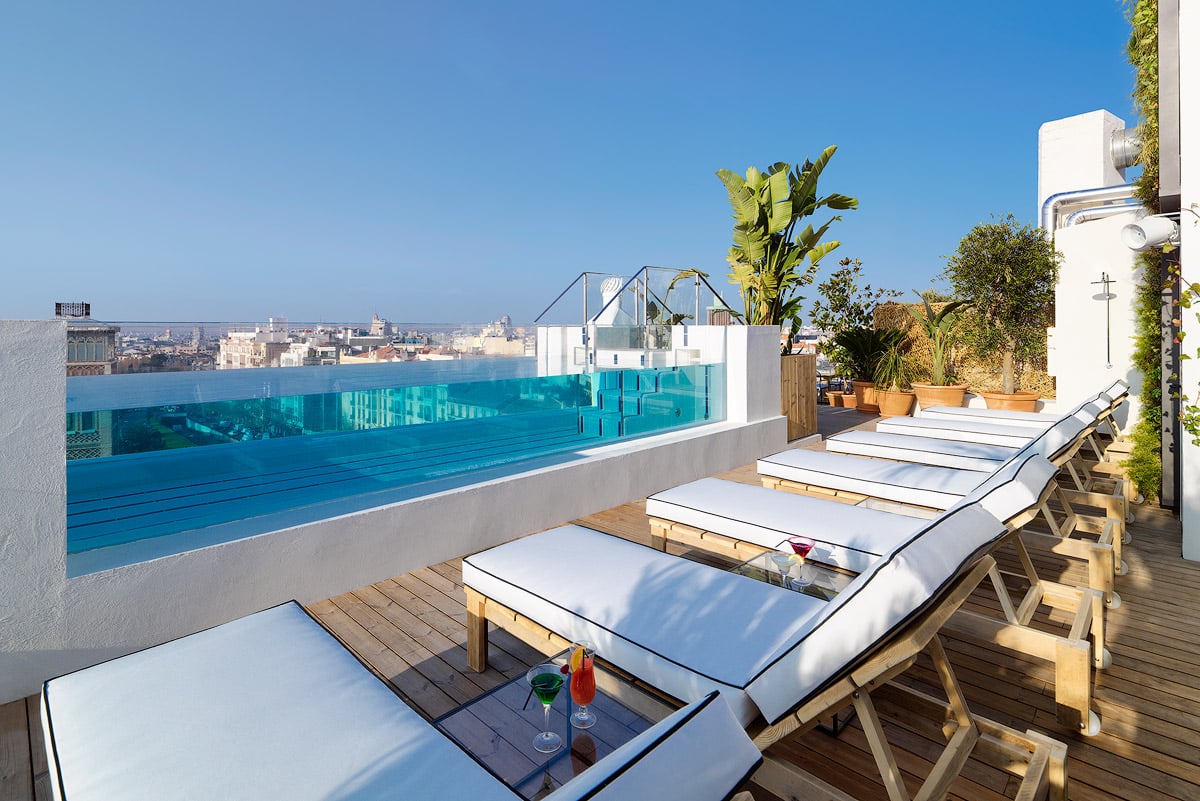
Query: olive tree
pixel 1009 270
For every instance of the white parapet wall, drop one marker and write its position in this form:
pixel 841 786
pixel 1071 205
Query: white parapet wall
pixel 1073 154
pixel 51 623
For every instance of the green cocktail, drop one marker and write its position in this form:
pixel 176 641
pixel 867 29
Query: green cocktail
pixel 546 680
pixel 546 686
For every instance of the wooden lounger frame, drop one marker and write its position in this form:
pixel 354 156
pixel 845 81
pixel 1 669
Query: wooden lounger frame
pixel 1038 761
pixel 1073 655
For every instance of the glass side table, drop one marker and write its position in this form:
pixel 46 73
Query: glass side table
pixel 824 581
pixel 497 729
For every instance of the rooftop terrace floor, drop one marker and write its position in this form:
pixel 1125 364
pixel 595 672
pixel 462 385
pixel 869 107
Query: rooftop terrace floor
pixel 411 630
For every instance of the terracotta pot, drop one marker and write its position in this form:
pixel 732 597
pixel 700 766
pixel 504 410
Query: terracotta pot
pixel 895 402
pixel 864 396
pixel 929 395
pixel 845 400
pixel 1022 400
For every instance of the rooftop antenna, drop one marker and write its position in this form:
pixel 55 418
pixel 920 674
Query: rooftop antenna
pixel 1107 297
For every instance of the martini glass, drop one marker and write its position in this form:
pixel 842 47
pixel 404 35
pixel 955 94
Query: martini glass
pixel 546 680
pixel 802 546
pixel 783 563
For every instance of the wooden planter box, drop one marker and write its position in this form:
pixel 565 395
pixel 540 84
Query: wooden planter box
pixel 798 393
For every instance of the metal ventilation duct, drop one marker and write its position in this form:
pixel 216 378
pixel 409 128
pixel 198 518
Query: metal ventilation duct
pixel 1125 148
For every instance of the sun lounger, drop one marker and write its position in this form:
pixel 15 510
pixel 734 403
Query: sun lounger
pixel 1109 398
pixel 1114 395
pixel 961 444
pixel 854 479
pixel 741 520
pixel 783 659
pixel 921 450
pixel 271 706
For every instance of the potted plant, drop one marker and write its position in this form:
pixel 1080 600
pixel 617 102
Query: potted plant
pixel 844 304
pixel 1009 270
pixel 941 389
pixel 862 348
pixel 773 255
pixel 892 382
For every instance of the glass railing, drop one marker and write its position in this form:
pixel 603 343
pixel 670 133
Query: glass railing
pixel 240 453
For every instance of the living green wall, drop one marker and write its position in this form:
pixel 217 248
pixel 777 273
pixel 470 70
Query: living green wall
pixel 1145 461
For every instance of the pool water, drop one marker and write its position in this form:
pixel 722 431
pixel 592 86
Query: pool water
pixel 239 467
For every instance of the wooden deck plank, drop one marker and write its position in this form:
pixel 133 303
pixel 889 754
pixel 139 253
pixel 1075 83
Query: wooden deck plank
pixel 37 750
pixel 16 764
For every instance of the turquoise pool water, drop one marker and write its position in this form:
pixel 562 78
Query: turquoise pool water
pixel 238 466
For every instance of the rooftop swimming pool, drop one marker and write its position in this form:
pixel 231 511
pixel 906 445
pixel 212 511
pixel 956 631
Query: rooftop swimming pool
pixel 233 454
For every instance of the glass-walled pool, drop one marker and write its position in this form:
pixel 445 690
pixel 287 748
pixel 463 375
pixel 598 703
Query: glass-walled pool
pixel 246 452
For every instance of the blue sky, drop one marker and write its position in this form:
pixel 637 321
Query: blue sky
pixel 453 162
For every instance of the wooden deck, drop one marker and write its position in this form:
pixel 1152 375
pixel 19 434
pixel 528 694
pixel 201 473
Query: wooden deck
pixel 411 631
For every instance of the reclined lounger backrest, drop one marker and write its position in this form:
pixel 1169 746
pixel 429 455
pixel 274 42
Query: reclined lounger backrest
pixel 1059 442
pixel 1015 489
pixel 880 602
pixel 902 584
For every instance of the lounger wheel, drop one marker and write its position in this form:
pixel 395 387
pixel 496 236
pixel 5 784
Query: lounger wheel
pixel 1093 725
pixel 1105 659
pixel 1114 602
pixel 1124 571
pixel 1128 538
pixel 1129 518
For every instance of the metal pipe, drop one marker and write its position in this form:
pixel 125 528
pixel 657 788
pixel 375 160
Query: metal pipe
pixel 1096 197
pixel 1099 212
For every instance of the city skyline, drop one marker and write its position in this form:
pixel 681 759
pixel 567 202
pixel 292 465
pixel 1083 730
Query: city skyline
pixel 188 162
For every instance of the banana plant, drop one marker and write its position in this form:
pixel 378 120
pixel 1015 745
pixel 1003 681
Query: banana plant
pixel 772 256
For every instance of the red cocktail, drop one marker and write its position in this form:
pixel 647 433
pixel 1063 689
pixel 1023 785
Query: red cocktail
pixel 583 684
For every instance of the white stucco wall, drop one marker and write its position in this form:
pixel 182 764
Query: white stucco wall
pixel 51 624
pixel 1073 154
pixel 1077 356
pixel 1189 137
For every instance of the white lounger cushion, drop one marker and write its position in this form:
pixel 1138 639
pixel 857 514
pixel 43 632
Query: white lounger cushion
pixel 684 627
pixel 921 450
pixel 1006 417
pixel 851 537
pixel 920 485
pixel 1106 400
pixel 964 430
pixel 271 706
pixel 1013 488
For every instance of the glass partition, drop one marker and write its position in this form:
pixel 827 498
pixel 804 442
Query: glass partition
pixel 238 466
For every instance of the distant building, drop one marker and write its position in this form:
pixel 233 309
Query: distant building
pixel 91 345
pixel 243 349
pixel 91 350
pixel 386 353
pixel 380 327
pixel 308 354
